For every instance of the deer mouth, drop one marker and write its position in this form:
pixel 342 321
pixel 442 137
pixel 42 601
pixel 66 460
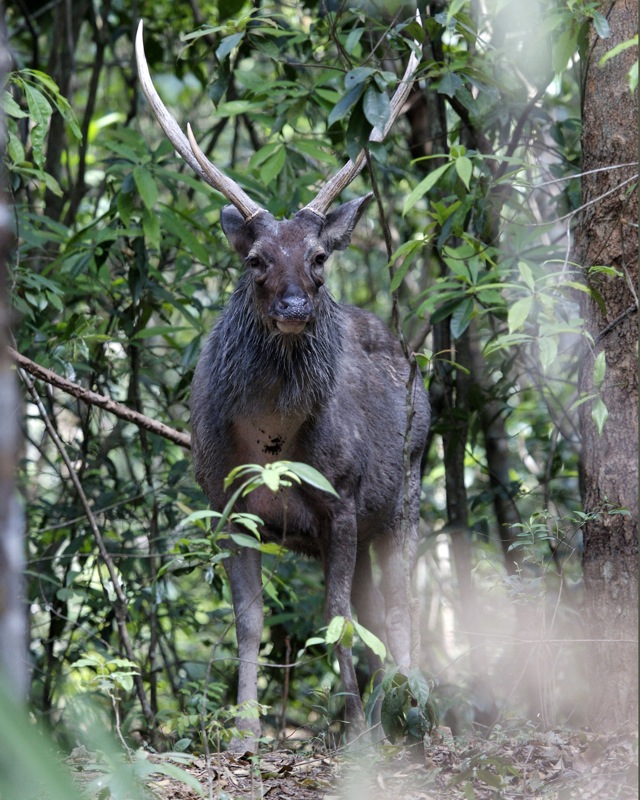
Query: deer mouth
pixel 291 325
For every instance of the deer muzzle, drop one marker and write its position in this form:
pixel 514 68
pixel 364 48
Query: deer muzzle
pixel 291 312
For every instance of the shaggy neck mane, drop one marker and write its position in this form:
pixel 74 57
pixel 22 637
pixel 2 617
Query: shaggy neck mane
pixel 266 371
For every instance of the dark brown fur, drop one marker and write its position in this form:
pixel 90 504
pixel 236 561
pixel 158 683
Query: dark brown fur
pixel 289 373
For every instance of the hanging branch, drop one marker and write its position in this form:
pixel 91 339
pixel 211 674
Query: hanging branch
pixel 100 400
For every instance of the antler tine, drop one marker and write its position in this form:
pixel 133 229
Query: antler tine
pixel 196 160
pixel 351 169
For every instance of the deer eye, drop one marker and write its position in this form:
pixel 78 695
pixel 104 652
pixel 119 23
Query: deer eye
pixel 255 262
pixel 319 259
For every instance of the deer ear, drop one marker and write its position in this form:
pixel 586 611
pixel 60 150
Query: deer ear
pixel 236 230
pixel 337 230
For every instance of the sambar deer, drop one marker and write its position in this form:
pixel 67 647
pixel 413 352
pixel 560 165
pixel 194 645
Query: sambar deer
pixel 288 373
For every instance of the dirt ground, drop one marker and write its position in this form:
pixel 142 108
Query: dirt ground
pixel 552 765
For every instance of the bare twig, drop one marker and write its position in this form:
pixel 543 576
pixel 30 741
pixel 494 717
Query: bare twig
pixel 100 400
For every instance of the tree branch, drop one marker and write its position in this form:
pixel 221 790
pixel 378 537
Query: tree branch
pixel 95 399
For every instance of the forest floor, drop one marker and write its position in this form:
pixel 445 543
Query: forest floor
pixel 556 765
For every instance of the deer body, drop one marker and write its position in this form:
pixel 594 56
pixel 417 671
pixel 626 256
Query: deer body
pixel 331 393
pixel 290 374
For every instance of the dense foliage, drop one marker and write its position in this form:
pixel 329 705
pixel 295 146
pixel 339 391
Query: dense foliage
pixel 121 269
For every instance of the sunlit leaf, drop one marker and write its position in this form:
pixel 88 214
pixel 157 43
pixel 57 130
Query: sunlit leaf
pixel 519 312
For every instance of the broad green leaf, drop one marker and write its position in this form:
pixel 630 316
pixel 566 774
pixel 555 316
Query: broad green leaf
pixel 245 540
pixel 311 476
pixel 464 168
pixel 526 275
pixel 563 50
pixel 357 76
pixel 601 24
pixel 205 513
pixel 40 111
pixel 261 155
pixel 600 415
pixel 233 108
pixel 146 186
pixel 519 312
pixel 418 686
pixel 335 630
pixel 371 640
pixel 353 39
pixel 461 317
pixel 376 107
pixel 272 480
pixel 151 227
pixel 273 166
pixel 228 44
pixel 345 103
pixel 548 349
pixel 10 107
pixel 314 149
pixel 599 369
pixel 423 187
pixel 449 84
pixel 391 712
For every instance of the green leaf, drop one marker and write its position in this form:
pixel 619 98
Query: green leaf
pixel 353 39
pixel 346 102
pixel 272 479
pixel 151 227
pixel 519 312
pixel 461 317
pixel 10 107
pixel 599 369
pixel 357 76
pixel 464 168
pixel 146 186
pixel 618 49
pixel 392 713
pixel 228 44
pixel 548 349
pixel 563 50
pixel 335 630
pixel 371 640
pixel 245 540
pixel 526 275
pixel 40 111
pixel 423 187
pixel 205 513
pixel 449 84
pixel 418 686
pixel 311 476
pixel 599 414
pixel 273 166
pixel 376 107
pixel 601 24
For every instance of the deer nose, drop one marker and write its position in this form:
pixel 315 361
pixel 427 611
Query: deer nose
pixel 293 305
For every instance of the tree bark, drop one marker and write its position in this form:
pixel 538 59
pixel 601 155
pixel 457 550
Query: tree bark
pixel 13 615
pixel 607 235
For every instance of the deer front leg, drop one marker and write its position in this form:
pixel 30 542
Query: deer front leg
pixel 244 569
pixel 396 559
pixel 339 566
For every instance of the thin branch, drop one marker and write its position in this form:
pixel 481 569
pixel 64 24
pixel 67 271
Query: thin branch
pixel 120 605
pixel 100 400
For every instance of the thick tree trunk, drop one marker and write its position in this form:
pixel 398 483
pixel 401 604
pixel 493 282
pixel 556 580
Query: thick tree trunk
pixel 607 235
pixel 13 616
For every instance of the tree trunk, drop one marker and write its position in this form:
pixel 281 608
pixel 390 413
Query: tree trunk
pixel 607 236
pixel 13 616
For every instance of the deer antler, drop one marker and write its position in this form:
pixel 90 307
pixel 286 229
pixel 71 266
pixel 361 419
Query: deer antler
pixel 351 169
pixel 188 149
